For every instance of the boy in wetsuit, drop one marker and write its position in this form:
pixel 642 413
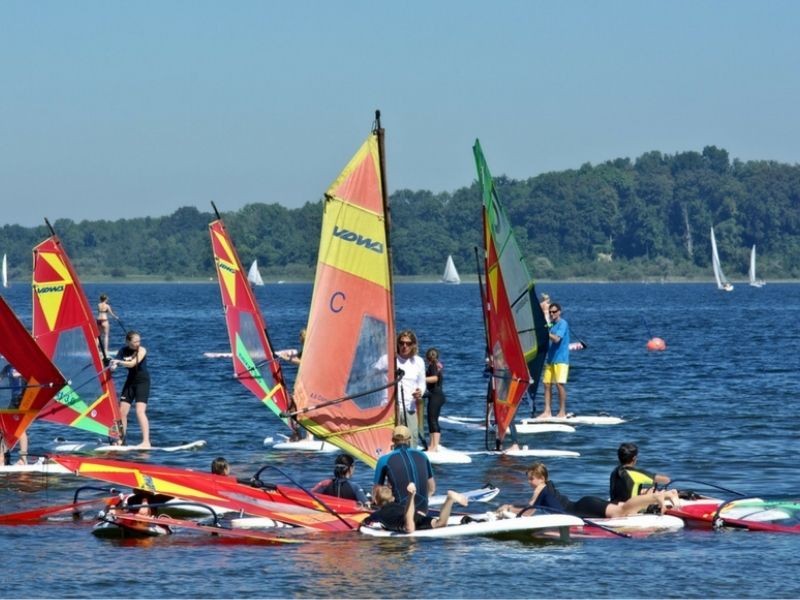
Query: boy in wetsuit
pixel 627 480
pixel 402 518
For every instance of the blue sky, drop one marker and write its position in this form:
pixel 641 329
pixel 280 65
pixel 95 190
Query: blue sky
pixel 121 109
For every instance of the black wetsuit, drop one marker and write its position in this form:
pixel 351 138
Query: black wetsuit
pixel 137 384
pixel 342 487
pixel 435 394
pixel 401 467
pixel 627 482
pixel 393 517
pixel 590 507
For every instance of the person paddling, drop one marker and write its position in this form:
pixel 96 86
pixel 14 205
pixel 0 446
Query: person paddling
pixel 133 356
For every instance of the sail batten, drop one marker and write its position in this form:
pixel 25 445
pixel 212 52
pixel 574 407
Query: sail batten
pixel 65 328
pixel 350 334
pixel 516 327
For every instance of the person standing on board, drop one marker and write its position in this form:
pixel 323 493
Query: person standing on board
pixel 103 312
pixel 133 356
pixel 16 385
pixel 627 480
pixel 435 395
pixel 556 366
pixel 402 466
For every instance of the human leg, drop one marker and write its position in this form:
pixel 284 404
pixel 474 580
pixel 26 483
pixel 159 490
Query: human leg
pixel 447 507
pixel 144 423
pixel 124 409
pixel 562 400
pixel 23 449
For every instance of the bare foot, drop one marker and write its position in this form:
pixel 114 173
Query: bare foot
pixel 22 461
pixel 561 415
pixel 544 415
pixel 513 448
pixel 433 448
pixel 412 489
pixel 457 498
pixel 144 446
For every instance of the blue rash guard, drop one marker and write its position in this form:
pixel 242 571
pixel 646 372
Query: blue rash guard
pixel 401 467
pixel 558 353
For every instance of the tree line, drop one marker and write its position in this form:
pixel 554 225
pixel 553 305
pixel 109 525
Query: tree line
pixel 620 220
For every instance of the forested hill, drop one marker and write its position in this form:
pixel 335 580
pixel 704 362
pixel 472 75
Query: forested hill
pixel 621 219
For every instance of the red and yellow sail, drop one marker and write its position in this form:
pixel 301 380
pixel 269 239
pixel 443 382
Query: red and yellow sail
pixel 254 363
pixel 43 380
pixel 64 326
pixel 350 351
pixel 516 327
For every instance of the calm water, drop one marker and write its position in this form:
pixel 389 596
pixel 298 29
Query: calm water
pixel 720 405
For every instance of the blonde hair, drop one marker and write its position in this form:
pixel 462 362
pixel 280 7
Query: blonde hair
pixel 410 335
pixel 539 470
pixel 383 495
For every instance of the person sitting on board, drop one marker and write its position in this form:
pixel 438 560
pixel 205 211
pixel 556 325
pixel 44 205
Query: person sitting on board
pixel 435 395
pixel 341 485
pixel 294 356
pixel 405 465
pixel 103 312
pixel 556 367
pixel 133 356
pixel 402 517
pixel 16 385
pixel 547 499
pixel 627 480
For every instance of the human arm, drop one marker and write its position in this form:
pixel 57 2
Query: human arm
pixel 134 360
pixel 411 527
pixel 661 478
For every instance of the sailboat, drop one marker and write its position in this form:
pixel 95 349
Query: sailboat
pixel 65 328
pixel 253 275
pixel 516 329
pixel 5 271
pixel 341 395
pixel 450 273
pixel 756 283
pixel 722 282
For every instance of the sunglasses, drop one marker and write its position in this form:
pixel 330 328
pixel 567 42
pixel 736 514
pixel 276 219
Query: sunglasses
pixel 552 312
pixel 405 343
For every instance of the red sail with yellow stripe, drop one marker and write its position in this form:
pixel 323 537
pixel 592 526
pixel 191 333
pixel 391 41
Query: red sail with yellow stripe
pixel 65 328
pixel 40 379
pixel 343 392
pixel 254 364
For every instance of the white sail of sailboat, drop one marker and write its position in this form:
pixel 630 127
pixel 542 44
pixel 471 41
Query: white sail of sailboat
pixel 450 273
pixel 253 276
pixel 5 271
pixel 752 273
pixel 722 281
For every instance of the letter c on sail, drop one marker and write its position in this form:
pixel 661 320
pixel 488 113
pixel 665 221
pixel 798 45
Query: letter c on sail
pixel 337 306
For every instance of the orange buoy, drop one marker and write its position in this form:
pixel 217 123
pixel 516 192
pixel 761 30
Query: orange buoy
pixel 656 345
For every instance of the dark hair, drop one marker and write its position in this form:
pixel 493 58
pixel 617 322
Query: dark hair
pixel 627 452
pixel 430 351
pixel 555 305
pixel 130 334
pixel 103 297
pixel 219 466
pixel 342 464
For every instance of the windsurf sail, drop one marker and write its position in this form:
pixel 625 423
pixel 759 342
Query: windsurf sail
pixel 65 328
pixel 516 328
pixel 28 372
pixel 253 275
pixel 450 274
pixel 344 393
pixel 254 363
pixel 719 276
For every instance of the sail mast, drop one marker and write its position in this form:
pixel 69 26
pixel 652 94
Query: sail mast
pixel 387 223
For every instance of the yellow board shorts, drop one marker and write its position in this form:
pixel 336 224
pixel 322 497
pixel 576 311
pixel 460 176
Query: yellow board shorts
pixel 556 373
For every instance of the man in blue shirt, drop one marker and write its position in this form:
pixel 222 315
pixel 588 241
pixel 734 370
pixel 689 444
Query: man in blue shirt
pixel 402 466
pixel 556 366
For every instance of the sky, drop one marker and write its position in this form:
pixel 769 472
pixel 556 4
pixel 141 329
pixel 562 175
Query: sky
pixel 112 109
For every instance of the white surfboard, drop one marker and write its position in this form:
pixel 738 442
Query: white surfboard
pixel 462 424
pixel 218 354
pixel 88 447
pixel 484 494
pixel 482 527
pixel 523 428
pixel 304 445
pixel 641 522
pixel 578 420
pixel 526 452
pixel 46 468
pixel 446 456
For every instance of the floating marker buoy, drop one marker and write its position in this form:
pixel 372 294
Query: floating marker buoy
pixel 656 344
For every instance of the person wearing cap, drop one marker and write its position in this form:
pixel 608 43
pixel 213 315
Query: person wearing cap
pixel 133 356
pixel 627 480
pixel 402 466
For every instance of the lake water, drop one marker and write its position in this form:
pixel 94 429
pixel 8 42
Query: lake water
pixel 720 405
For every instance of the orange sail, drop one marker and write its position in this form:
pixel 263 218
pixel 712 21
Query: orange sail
pixel 344 391
pixel 64 327
pixel 254 363
pixel 41 379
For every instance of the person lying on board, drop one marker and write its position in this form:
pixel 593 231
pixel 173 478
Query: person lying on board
pixel 547 499
pixel 402 517
pixel 627 480
pixel 16 385
pixel 341 485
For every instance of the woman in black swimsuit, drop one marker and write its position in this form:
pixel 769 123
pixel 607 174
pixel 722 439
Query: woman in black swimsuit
pixel 133 356
pixel 435 395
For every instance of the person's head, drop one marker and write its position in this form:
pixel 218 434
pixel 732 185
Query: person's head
pixel 220 466
pixel 303 335
pixel 344 466
pixel 103 298
pixel 383 495
pixel 133 339
pixel 432 355
pixel 406 343
pixel 627 453
pixel 401 435
pixel 554 311
pixel 537 474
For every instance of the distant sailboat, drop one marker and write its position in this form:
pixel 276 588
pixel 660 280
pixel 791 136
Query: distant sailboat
pixel 253 276
pixel 757 283
pixel 722 281
pixel 450 273
pixel 5 271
